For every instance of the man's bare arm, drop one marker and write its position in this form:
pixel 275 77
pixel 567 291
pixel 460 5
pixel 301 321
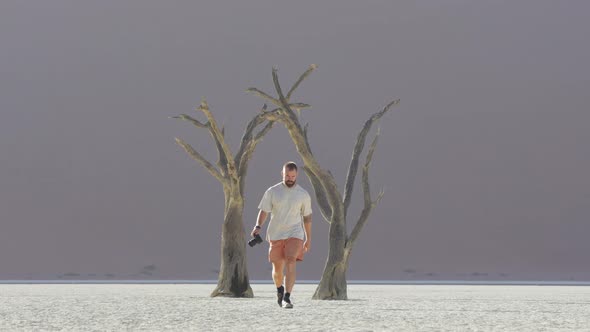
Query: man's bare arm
pixel 259 222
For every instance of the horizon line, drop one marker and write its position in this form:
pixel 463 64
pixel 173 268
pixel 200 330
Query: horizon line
pixel 351 282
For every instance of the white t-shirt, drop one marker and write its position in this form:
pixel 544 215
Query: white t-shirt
pixel 287 207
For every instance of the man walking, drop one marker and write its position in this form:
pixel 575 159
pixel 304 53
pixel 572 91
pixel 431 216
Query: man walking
pixel 289 229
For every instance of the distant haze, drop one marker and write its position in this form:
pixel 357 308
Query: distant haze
pixel 484 163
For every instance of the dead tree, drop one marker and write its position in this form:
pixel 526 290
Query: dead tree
pixel 231 172
pixel 333 205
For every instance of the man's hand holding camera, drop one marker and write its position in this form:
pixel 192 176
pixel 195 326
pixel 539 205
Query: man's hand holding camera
pixel 256 239
pixel 255 231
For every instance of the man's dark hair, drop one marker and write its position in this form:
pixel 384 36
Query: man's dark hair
pixel 290 166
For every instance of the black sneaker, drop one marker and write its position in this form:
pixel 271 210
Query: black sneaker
pixel 280 294
pixel 287 301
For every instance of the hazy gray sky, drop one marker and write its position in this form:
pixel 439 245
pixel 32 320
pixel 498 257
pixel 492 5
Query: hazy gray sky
pixel 484 164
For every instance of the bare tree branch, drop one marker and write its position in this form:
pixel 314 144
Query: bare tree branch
pixel 299 105
pixel 249 144
pixel 305 135
pixel 244 161
pixel 198 157
pixel 284 103
pixel 294 121
pixel 365 177
pixel 221 158
pixel 264 95
pixel 301 78
pixel 247 136
pixel 273 115
pixel 220 141
pixel 358 149
pixel 263 131
pixel 320 193
pixel 192 120
pixel 367 196
pixel 275 101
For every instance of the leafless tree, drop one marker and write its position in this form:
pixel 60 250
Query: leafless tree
pixel 333 205
pixel 231 172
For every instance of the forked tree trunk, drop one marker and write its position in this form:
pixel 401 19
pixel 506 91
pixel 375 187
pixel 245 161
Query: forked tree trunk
pixel 233 275
pixel 333 206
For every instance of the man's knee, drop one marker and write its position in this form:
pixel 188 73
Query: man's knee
pixel 278 263
pixel 291 260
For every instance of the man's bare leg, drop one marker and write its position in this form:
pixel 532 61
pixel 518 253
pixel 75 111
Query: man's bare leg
pixel 277 272
pixel 277 276
pixel 290 275
pixel 289 281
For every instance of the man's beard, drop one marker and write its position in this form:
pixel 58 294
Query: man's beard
pixel 289 183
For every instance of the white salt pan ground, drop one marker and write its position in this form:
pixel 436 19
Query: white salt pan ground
pixel 371 308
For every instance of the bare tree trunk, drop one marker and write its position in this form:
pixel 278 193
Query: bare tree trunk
pixel 233 274
pixel 333 284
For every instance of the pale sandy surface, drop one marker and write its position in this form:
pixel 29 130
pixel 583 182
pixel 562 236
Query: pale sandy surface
pixel 371 308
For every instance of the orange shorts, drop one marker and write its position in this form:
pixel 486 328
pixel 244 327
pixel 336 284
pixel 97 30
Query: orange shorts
pixel 282 249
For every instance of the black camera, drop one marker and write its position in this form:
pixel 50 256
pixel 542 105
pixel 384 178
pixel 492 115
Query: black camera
pixel 255 240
